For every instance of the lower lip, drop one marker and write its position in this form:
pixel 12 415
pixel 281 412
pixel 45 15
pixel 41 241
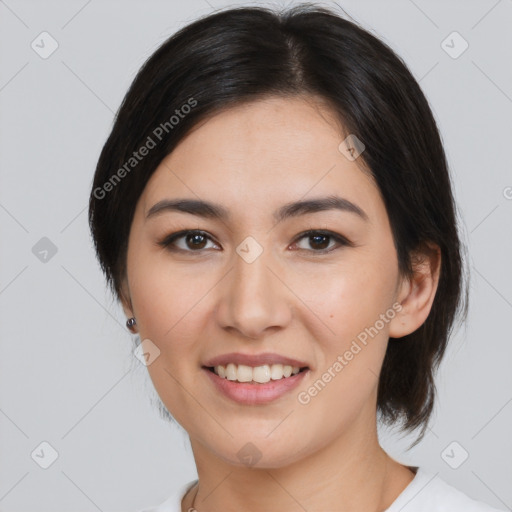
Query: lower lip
pixel 252 394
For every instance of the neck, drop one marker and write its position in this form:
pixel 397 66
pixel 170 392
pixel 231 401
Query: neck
pixel 352 473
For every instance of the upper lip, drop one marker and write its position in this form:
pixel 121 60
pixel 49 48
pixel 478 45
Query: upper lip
pixel 254 360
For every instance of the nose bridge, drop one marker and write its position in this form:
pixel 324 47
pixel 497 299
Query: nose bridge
pixel 253 300
pixel 250 272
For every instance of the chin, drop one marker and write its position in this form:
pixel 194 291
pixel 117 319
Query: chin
pixel 261 453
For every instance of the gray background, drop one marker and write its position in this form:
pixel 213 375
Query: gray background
pixel 67 373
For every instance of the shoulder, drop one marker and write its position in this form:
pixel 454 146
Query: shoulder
pixel 173 502
pixel 429 493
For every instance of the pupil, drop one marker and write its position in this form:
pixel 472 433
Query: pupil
pixel 194 237
pixel 325 237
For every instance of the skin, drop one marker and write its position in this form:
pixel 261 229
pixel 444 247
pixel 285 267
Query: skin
pixel 292 300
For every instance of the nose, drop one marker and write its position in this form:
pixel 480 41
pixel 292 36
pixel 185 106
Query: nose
pixel 254 299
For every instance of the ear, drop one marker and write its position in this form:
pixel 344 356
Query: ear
pixel 416 293
pixel 125 298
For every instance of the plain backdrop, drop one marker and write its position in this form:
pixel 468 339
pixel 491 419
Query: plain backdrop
pixel 68 377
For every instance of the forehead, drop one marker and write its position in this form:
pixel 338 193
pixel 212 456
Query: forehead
pixel 271 128
pixel 268 151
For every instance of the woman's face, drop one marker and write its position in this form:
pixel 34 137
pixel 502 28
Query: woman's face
pixel 252 283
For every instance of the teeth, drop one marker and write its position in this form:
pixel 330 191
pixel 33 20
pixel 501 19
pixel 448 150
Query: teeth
pixel 276 372
pixel 244 373
pixel 260 374
pixel 231 372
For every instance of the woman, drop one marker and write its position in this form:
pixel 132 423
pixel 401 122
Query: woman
pixel 274 211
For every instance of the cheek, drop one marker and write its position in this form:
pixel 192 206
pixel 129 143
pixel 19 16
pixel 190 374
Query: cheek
pixel 351 303
pixel 167 298
pixel 351 295
pixel 170 307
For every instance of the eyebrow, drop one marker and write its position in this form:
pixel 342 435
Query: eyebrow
pixel 211 210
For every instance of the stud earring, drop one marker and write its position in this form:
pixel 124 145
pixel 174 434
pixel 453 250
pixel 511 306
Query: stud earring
pixel 130 323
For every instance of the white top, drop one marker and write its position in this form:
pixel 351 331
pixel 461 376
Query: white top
pixel 425 493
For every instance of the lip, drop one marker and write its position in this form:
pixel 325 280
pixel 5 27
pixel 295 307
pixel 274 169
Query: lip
pixel 253 360
pixel 254 394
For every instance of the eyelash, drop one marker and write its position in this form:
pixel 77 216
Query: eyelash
pixel 341 240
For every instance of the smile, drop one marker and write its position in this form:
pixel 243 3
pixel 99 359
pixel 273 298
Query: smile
pixel 255 375
pixel 252 392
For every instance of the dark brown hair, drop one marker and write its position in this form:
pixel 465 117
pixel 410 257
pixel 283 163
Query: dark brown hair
pixel 245 53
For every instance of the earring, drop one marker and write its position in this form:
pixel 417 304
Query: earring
pixel 130 323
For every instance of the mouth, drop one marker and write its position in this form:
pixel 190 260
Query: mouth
pixel 255 379
pixel 257 374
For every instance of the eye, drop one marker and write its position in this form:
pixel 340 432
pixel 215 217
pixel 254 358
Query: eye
pixel 196 240
pixel 320 240
pixel 193 240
